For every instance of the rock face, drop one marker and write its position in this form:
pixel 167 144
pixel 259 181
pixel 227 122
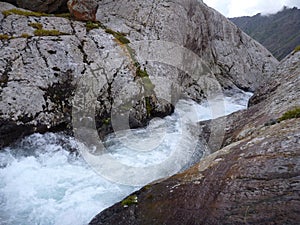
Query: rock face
pixel 83 10
pixel 232 55
pixel 255 179
pixel 48 6
pixel 279 95
pixel 44 60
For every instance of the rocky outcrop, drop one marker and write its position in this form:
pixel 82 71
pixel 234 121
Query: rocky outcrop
pixel 255 179
pixel 48 6
pixel 45 58
pixel 232 55
pixel 83 10
pixel 279 95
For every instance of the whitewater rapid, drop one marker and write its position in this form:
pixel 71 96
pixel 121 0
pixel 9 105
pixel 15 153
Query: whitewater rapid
pixel 41 182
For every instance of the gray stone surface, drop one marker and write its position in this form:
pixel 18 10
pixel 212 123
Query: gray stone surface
pixel 231 54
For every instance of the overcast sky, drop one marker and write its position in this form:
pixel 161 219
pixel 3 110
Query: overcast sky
pixel 235 8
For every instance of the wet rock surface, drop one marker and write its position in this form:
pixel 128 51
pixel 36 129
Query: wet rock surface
pixel 254 179
pixel 279 95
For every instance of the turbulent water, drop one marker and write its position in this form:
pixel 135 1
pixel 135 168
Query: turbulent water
pixel 41 182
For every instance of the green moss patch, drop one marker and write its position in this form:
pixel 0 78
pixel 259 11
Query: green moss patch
pixel 23 13
pixel 119 36
pixel 130 200
pixel 106 121
pixel 91 25
pixel 24 35
pixel 141 73
pixel 4 37
pixel 38 26
pixel 297 49
pixel 35 14
pixel 291 114
pixel 63 15
pixel 42 32
pixel 148 106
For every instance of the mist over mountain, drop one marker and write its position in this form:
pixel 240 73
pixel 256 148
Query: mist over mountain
pixel 279 33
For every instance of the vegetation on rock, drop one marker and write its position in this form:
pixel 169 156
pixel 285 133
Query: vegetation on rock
pixel 23 13
pixel 38 26
pixel 34 14
pixel 119 36
pixel 25 35
pixel 4 37
pixel 91 25
pixel 297 49
pixel 291 114
pixel 42 32
pixel 130 200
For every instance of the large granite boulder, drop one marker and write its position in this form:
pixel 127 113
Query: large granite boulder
pixel 255 179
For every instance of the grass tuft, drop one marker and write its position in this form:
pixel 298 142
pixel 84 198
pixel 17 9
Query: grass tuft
pixel 4 37
pixel 291 114
pixel 42 32
pixel 23 13
pixel 38 26
pixel 91 25
pixel 118 35
pixel 24 35
pixel 297 49
pixel 130 200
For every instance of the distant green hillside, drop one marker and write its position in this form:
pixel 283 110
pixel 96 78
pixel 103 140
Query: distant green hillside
pixel 280 32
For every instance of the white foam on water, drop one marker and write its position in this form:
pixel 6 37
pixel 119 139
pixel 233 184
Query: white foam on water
pixel 45 184
pixel 41 182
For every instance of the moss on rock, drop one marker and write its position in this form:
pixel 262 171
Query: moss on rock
pixel 130 200
pixel 118 36
pixel 291 114
pixel 42 32
pixel 23 13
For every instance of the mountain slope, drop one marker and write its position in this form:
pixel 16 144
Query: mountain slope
pixel 279 33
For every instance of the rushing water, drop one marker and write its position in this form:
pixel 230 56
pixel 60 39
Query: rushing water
pixel 41 182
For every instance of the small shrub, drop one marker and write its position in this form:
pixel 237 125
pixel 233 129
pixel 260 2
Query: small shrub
pixel 141 73
pixel 23 13
pixel 130 200
pixel 63 15
pixel 297 49
pixel 24 35
pixel 42 32
pixel 38 26
pixel 291 114
pixel 91 25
